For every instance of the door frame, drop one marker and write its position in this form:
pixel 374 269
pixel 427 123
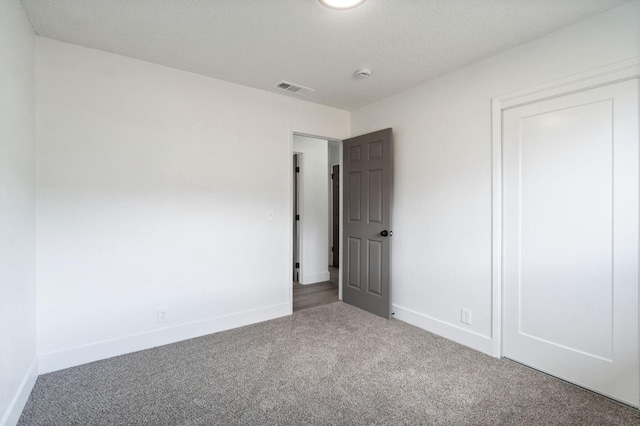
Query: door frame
pixel 293 132
pixel 296 238
pixel 619 71
pixel 332 207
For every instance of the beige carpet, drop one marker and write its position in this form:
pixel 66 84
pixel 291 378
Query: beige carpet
pixel 333 364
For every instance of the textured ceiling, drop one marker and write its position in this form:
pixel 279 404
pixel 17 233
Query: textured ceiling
pixel 258 43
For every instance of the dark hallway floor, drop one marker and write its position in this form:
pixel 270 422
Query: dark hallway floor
pixel 311 295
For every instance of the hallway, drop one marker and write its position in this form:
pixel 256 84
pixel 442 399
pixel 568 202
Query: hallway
pixel 311 295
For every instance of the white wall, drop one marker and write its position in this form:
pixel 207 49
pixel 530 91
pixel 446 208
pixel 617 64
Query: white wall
pixel 153 187
pixel 442 201
pixel 313 208
pixel 18 366
pixel 335 149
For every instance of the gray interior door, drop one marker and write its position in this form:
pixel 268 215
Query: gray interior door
pixel 368 186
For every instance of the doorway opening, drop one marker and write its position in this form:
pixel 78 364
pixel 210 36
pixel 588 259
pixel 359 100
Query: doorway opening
pixel 316 165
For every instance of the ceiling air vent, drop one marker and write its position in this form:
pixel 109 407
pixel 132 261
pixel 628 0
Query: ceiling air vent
pixel 294 88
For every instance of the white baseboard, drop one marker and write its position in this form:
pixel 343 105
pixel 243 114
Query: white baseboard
pixel 457 334
pixel 71 357
pixel 19 400
pixel 316 278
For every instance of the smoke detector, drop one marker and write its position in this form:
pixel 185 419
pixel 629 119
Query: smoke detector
pixel 363 73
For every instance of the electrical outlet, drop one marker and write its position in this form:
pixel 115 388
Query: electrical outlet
pixel 163 314
pixel 466 316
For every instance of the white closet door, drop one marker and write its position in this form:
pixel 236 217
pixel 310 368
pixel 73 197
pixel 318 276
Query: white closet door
pixel 570 229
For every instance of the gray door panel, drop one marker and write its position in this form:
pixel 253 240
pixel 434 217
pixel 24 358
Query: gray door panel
pixel 368 186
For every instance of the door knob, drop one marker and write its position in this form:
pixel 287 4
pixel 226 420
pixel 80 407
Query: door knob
pixel 384 233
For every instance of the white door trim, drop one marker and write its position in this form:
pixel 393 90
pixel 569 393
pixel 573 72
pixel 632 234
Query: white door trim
pixel 618 71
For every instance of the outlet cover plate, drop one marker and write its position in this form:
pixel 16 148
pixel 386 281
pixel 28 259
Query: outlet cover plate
pixel 163 314
pixel 466 316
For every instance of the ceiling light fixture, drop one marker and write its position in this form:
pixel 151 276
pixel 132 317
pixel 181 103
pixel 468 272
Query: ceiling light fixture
pixel 342 4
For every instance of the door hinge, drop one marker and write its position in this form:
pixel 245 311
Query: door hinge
pixel 331 249
pixel 331 176
pixel 297 217
pixel 297 265
pixel 297 169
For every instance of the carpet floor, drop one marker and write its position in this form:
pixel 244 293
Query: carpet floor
pixel 334 365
